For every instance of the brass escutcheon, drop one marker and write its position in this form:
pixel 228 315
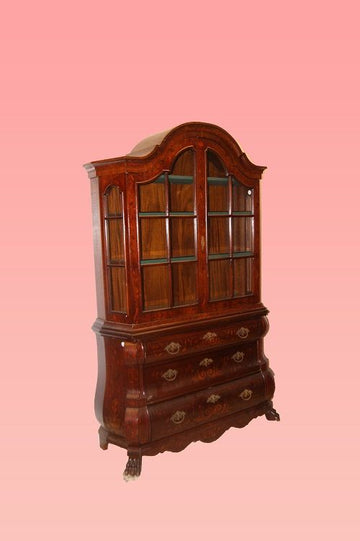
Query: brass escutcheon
pixel 243 332
pixel 178 417
pixel 170 374
pixel 238 357
pixel 173 348
pixel 246 394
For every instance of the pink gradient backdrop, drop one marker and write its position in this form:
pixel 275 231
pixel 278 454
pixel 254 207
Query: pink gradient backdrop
pixel 83 81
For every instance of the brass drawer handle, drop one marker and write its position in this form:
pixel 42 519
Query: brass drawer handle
pixel 243 332
pixel 206 362
pixel 213 398
pixel 246 394
pixel 173 348
pixel 178 417
pixel 238 357
pixel 210 336
pixel 170 374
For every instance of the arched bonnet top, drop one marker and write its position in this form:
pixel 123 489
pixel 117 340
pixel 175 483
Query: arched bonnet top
pixel 148 148
pixel 201 129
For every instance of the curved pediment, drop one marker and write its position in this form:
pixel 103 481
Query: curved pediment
pixel 169 142
pixel 148 146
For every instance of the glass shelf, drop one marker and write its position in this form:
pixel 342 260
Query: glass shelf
pixel 165 260
pixel 234 213
pixel 227 255
pixel 175 179
pixel 217 180
pixel 224 255
pixel 243 254
pixel 165 215
pixel 180 179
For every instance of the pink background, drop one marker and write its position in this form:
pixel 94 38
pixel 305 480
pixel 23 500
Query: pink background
pixel 85 80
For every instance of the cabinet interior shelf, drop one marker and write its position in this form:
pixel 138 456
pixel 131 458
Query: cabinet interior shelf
pixel 227 255
pixel 217 180
pixel 175 179
pixel 234 213
pixel 166 260
pixel 165 214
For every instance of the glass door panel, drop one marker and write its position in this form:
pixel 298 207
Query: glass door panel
pixel 220 279
pixel 153 243
pixel 217 184
pixel 242 277
pixel 181 194
pixel 218 236
pixel 115 240
pixel 242 198
pixel 218 195
pixel 156 287
pixel 182 237
pixel 167 225
pixel 114 230
pixel 118 288
pixel 230 225
pixel 184 283
pixel 152 197
pixel 113 202
pixel 242 233
pixel 181 183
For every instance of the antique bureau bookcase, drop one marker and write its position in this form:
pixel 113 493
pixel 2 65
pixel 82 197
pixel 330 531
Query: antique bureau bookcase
pixel 180 322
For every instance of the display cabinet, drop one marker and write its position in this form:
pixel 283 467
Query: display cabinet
pixel 180 325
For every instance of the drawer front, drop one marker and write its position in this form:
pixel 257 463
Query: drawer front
pixel 194 409
pixel 181 344
pixel 186 375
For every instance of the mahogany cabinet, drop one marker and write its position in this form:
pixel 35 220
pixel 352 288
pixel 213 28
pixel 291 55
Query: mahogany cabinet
pixel 180 324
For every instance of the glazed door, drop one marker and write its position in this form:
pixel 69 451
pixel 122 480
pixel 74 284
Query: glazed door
pixel 196 235
pixel 230 233
pixel 167 237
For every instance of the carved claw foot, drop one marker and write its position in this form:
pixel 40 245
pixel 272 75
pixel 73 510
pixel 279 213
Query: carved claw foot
pixel 103 438
pixel 133 468
pixel 272 415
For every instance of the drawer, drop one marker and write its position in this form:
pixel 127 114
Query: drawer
pixel 194 409
pixel 188 374
pixel 176 345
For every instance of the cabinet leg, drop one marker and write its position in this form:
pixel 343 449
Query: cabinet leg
pixel 103 438
pixel 272 415
pixel 133 466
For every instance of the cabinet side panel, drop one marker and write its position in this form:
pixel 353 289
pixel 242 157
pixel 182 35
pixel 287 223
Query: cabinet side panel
pixel 96 222
pixel 109 398
pixel 101 380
